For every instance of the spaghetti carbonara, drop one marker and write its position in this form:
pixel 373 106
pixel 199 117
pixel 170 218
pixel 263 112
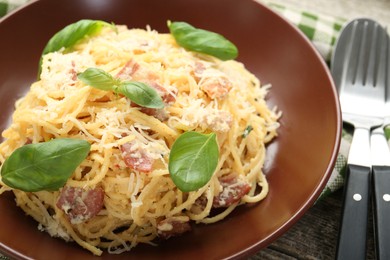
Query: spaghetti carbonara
pixel 122 193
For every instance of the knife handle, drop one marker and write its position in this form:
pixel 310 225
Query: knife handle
pixel 354 218
pixel 381 182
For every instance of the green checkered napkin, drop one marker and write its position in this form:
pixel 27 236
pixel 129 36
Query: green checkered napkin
pixel 7 6
pixel 320 29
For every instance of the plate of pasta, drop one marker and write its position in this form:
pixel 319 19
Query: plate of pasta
pixel 141 130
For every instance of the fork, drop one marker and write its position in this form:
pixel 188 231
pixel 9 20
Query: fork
pixel 355 65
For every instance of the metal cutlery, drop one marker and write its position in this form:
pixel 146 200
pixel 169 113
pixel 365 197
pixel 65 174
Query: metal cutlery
pixel 356 64
pixel 380 153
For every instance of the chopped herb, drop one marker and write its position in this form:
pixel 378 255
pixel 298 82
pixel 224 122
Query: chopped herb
pixel 247 130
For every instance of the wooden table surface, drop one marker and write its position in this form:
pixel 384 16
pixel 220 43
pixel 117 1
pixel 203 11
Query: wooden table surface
pixel 314 236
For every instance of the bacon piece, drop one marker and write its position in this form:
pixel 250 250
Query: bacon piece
pixel 135 157
pixel 199 68
pixel 73 71
pixel 216 87
pixel 233 189
pixel 127 72
pixel 80 204
pixel 160 114
pixel 170 227
pixel 166 96
pixel 28 141
pixel 133 71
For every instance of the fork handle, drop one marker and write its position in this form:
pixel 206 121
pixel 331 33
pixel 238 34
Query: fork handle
pixel 354 218
pixel 381 181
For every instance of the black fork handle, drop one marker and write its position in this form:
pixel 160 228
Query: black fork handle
pixel 354 218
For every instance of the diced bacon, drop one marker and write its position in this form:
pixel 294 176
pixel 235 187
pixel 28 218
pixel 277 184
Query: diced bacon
pixel 160 114
pixel 214 83
pixel 216 87
pixel 133 71
pixel 127 72
pixel 233 189
pixel 136 157
pixel 166 96
pixel 170 227
pixel 28 141
pixel 80 204
pixel 199 68
pixel 73 71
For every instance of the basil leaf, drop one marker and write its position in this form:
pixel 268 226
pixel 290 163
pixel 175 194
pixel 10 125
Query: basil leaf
pixel 202 41
pixel 98 78
pixel 44 166
pixel 138 92
pixel 141 94
pixel 71 34
pixel 193 160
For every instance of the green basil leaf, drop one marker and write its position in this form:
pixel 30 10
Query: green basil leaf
pixel 202 41
pixel 141 94
pixel 138 92
pixel 44 166
pixel 193 160
pixel 71 34
pixel 98 78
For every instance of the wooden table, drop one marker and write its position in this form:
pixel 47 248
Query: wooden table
pixel 314 236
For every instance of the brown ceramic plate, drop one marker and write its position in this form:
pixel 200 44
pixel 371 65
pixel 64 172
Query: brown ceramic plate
pixel 299 161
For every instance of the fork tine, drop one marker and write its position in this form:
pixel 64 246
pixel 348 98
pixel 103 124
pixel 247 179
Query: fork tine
pixel 376 71
pixel 362 52
pixel 366 62
pixel 370 75
pixel 352 51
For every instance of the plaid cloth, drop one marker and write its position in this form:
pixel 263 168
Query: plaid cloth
pixel 7 6
pixel 321 30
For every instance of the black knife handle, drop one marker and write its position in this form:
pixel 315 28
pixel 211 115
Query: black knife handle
pixel 381 182
pixel 354 218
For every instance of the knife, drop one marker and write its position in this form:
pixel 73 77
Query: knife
pixel 380 153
